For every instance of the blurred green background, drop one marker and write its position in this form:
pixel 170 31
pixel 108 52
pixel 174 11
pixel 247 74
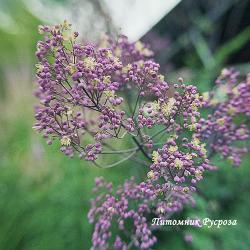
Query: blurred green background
pixel 44 196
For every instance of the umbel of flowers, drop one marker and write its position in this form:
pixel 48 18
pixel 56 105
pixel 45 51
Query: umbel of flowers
pixel 229 121
pixel 92 95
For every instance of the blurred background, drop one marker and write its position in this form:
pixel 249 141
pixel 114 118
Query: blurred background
pixel 44 196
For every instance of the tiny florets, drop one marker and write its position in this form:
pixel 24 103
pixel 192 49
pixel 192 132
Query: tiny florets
pixel 86 94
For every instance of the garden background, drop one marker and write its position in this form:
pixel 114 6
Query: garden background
pixel 44 196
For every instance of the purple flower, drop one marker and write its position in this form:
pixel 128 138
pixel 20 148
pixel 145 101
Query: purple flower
pixel 93 96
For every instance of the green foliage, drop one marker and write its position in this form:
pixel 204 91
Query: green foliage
pixel 44 196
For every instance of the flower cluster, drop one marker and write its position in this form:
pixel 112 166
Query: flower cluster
pixel 227 125
pixel 170 183
pixel 79 89
pixel 94 94
pixel 128 208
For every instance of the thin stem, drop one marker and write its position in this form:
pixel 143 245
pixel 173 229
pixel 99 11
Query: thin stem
pixel 116 163
pixel 139 161
pixel 158 132
pixel 120 151
pixel 136 103
pixel 141 148
pixel 124 151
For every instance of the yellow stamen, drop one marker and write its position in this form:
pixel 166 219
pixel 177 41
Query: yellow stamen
pixel 178 163
pixel 89 62
pixel 150 174
pixel 65 141
pixel 167 107
pixel 155 156
pixel 172 149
